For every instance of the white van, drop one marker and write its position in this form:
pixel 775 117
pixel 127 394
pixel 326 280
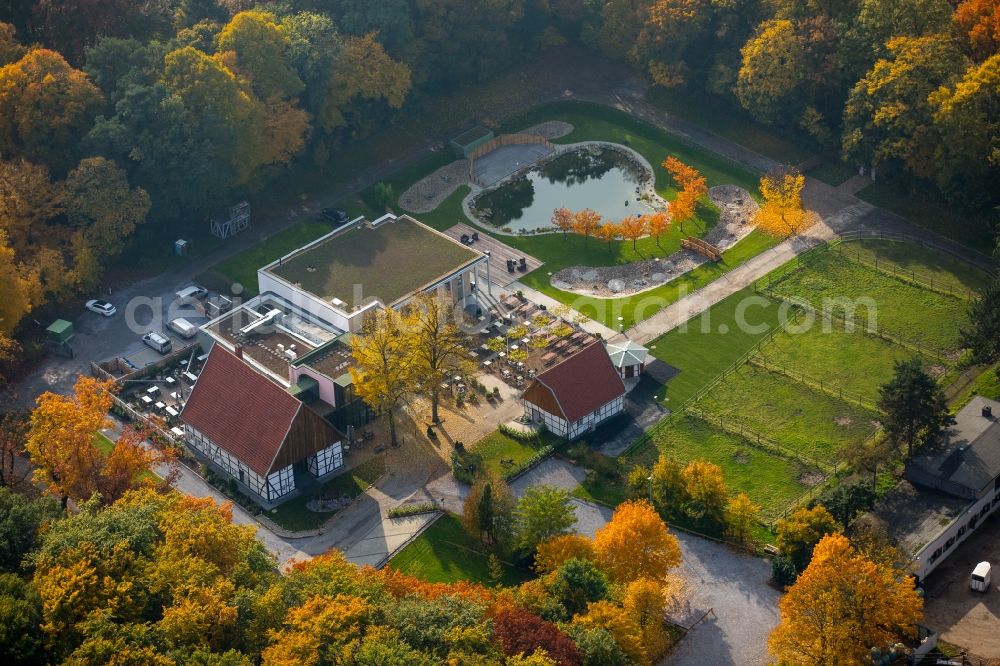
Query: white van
pixel 980 579
pixel 158 342
pixel 183 328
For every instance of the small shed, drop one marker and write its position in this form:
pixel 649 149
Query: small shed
pixel 628 357
pixel 470 139
pixel 60 331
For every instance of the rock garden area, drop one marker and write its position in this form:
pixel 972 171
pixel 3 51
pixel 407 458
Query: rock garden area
pixel 736 212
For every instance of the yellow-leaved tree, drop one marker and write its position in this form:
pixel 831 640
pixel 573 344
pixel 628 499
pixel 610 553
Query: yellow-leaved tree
pixel 318 631
pixel 842 605
pixel 635 543
pixel 553 553
pixel 562 219
pixel 383 370
pixel 782 213
pixel 586 222
pixel 62 442
pixel 439 350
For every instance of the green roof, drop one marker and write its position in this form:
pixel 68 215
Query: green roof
pixel 60 330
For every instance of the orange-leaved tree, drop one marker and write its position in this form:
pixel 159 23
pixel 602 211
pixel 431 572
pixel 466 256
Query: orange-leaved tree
pixel 607 232
pixel 635 543
pixel 555 552
pixel 841 606
pixel 562 219
pixel 658 223
pixel 782 213
pixel 586 221
pixel 62 442
pixel 691 186
pixel 633 228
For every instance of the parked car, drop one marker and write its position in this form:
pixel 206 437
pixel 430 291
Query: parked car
pixel 979 581
pixel 158 342
pixel 101 307
pixel 192 291
pixel 336 215
pixel 182 327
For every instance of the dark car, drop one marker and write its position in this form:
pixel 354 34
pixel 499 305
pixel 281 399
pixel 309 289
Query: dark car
pixel 335 215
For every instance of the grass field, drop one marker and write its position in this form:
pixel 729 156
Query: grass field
pixel 808 422
pixel 445 553
pixel 700 352
pixel 725 119
pixel 924 264
pixel 770 481
pixel 386 262
pixel 855 363
pixel 293 514
pixel 487 453
pixel 242 268
pixel 918 316
pixel 106 446
pixel 975 231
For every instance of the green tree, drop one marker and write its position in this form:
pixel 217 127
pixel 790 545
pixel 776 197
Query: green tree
pixel 488 511
pixel 542 512
pixel 705 493
pixel 742 516
pixel 667 485
pixel 983 334
pixel 913 404
pixel 256 47
pixel 100 202
pixel 21 520
pixel 577 583
pixel 796 535
pixel 20 616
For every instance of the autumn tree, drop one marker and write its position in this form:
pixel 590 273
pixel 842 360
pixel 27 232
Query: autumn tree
pixel 438 346
pixel 543 512
pixel 691 186
pixel 633 228
pixel 521 632
pixel 782 213
pixel 488 511
pixel 635 543
pixel 742 515
pixel 796 535
pixel 979 23
pixel 45 107
pixel 705 494
pixel 841 606
pixel 384 365
pixel 667 487
pixel 645 601
pixel 20 288
pixel 318 631
pixel 11 48
pixel 62 445
pixel 622 626
pixel 256 47
pixel 586 221
pixel 658 224
pixel 608 232
pixel 556 551
pixel 562 219
pixel 914 405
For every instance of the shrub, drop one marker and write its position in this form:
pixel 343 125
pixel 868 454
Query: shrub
pixel 411 510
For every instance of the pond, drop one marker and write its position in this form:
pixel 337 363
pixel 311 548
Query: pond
pixel 602 179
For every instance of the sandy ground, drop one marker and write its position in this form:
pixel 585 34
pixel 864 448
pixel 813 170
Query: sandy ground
pixel 963 617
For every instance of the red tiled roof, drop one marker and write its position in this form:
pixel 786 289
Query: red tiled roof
pixel 581 383
pixel 241 410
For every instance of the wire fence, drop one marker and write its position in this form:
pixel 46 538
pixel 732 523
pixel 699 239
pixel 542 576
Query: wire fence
pixel 826 387
pixel 912 276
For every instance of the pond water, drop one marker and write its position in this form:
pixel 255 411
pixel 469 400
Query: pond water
pixel 602 179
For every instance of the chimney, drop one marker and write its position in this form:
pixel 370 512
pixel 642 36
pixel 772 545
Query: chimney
pixel 238 351
pixel 987 411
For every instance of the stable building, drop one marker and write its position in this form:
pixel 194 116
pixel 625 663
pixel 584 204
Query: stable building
pixel 628 357
pixel 573 397
pixel 948 489
pixel 255 431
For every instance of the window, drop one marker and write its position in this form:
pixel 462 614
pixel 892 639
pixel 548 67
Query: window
pixel 935 555
pixel 949 543
pixel 961 530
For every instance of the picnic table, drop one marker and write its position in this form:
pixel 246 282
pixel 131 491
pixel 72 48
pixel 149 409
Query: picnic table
pixel 548 358
pixel 146 400
pixel 172 412
pixel 170 381
pixel 191 377
pixel 160 406
pixel 152 390
pixel 177 431
pixel 487 364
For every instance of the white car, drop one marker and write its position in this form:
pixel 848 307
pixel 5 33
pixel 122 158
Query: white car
pixel 101 307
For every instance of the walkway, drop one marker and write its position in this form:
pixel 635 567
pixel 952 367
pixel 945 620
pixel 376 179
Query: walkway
pixel 535 296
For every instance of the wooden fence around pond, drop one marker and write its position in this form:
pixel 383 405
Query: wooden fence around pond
pixel 500 142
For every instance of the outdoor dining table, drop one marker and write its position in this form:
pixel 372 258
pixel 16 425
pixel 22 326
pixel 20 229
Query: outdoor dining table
pixel 153 390
pixel 487 364
pixel 174 395
pixel 177 431
pixel 146 400
pixel 172 412
pixel 160 406
pixel 170 381
pixel 514 347
pixel 191 377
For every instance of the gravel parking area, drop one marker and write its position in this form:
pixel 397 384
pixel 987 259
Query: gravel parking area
pixel 744 607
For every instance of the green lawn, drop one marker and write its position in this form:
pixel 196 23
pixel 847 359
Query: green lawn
pixel 975 231
pixel 242 268
pixel 918 316
pixel 487 453
pixel 700 351
pixel 855 363
pixel 937 269
pixel 770 481
pixel 445 553
pixel 808 422
pixel 293 514
pixel 448 213
pixel 832 172
pixel 722 117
